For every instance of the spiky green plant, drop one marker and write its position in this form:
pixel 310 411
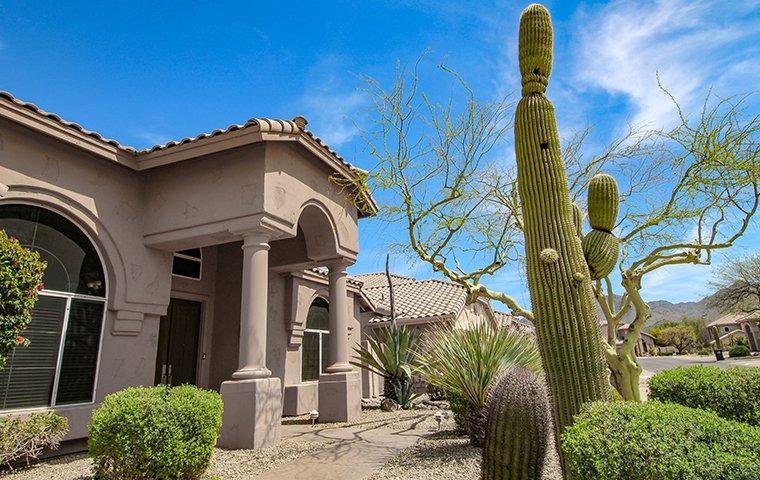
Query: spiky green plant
pixel 464 362
pixel 519 427
pixel 600 245
pixel 392 353
pixel 567 327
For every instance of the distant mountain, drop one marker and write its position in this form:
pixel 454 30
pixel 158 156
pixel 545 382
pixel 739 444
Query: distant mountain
pixel 663 311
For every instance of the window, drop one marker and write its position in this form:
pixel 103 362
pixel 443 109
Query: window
pixel 60 364
pixel 316 341
pixel 187 263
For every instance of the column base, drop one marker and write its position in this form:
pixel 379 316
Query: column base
pixel 252 413
pixel 340 397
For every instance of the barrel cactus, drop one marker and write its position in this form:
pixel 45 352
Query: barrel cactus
pixel 600 246
pixel 518 427
pixel 567 327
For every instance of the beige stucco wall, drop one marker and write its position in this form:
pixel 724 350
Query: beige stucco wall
pixel 136 219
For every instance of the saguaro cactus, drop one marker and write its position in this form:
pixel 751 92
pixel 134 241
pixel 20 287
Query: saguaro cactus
pixel 600 246
pixel 567 327
pixel 519 427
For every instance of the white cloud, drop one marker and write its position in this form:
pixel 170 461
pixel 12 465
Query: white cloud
pixel 153 138
pixel 331 101
pixel 693 45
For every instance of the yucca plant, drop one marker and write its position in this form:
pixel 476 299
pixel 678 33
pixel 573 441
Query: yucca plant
pixel 392 353
pixel 464 363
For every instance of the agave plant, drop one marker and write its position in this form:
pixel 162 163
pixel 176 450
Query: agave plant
pixel 464 363
pixel 392 353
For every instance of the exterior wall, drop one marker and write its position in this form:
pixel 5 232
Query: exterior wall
pixel 106 201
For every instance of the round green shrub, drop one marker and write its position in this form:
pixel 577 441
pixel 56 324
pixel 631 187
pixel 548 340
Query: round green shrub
pixel 658 441
pixel 733 393
pixel 158 433
pixel 20 279
pixel 738 351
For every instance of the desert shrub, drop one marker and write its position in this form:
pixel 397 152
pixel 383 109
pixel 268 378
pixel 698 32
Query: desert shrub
pixel 464 362
pixel 20 279
pixel 659 441
pixel 738 351
pixel 733 393
pixel 25 437
pixel 159 433
pixel 458 406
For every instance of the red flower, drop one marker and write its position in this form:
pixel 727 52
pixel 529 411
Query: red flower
pixel 20 340
pixel 40 287
pixel 13 239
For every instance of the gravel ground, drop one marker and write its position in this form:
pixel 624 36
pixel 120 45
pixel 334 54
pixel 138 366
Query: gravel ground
pixel 446 456
pixel 225 464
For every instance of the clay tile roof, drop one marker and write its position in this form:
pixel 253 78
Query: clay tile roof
pixel 418 299
pixel 324 272
pixel 731 319
pixel 296 126
pixel 74 126
pixel 371 280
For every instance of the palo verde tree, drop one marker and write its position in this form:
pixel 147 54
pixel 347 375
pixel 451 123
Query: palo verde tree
pixel 684 192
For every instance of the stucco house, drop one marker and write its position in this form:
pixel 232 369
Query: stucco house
pixel 189 262
pixel 425 305
pixel 645 345
pixel 739 324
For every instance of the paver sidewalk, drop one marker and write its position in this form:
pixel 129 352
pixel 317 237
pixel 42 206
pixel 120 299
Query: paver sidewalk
pixel 358 452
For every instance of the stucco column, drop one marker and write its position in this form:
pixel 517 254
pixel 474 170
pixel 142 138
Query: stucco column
pixel 338 318
pixel 253 308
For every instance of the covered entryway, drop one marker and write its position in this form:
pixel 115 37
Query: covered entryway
pixel 177 356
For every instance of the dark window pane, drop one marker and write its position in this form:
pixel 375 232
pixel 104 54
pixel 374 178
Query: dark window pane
pixel 310 357
pixel 73 264
pixel 193 252
pixel 318 317
pixel 186 267
pixel 27 379
pixel 325 351
pixel 80 352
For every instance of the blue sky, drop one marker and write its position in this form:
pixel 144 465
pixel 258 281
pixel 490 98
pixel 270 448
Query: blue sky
pixel 149 72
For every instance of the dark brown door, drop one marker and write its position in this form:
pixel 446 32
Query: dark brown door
pixel 177 356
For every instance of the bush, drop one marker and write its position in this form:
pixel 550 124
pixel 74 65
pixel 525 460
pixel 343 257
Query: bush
pixel 738 351
pixel 20 280
pixel 733 393
pixel 159 433
pixel 659 441
pixel 25 437
pixel 464 362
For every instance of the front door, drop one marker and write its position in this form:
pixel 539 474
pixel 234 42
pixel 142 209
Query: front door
pixel 177 357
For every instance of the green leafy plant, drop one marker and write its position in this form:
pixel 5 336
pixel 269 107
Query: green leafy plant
pixel 20 279
pixel 739 351
pixel 658 441
pixel 733 393
pixel 392 353
pixel 159 432
pixel 23 438
pixel 680 336
pixel 464 362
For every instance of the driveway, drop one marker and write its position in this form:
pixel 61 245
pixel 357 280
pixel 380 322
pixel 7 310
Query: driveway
pixel 652 365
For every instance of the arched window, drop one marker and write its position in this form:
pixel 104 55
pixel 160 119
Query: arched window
pixel 316 341
pixel 60 364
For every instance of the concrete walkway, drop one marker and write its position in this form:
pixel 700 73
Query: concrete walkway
pixel 358 451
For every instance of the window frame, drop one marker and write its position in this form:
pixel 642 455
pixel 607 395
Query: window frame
pixel 320 333
pixel 198 259
pixel 70 296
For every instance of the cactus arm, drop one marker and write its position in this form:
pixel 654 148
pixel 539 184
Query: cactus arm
pixel 559 280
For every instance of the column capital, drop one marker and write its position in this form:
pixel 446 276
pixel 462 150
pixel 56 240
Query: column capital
pixel 257 240
pixel 338 265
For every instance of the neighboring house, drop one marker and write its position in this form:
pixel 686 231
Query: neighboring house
pixel 645 345
pixel 426 305
pixel 739 324
pixel 188 262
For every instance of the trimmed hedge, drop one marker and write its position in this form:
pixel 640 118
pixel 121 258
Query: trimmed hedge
pixel 159 433
pixel 25 437
pixel 739 351
pixel 20 279
pixel 733 393
pixel 659 441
